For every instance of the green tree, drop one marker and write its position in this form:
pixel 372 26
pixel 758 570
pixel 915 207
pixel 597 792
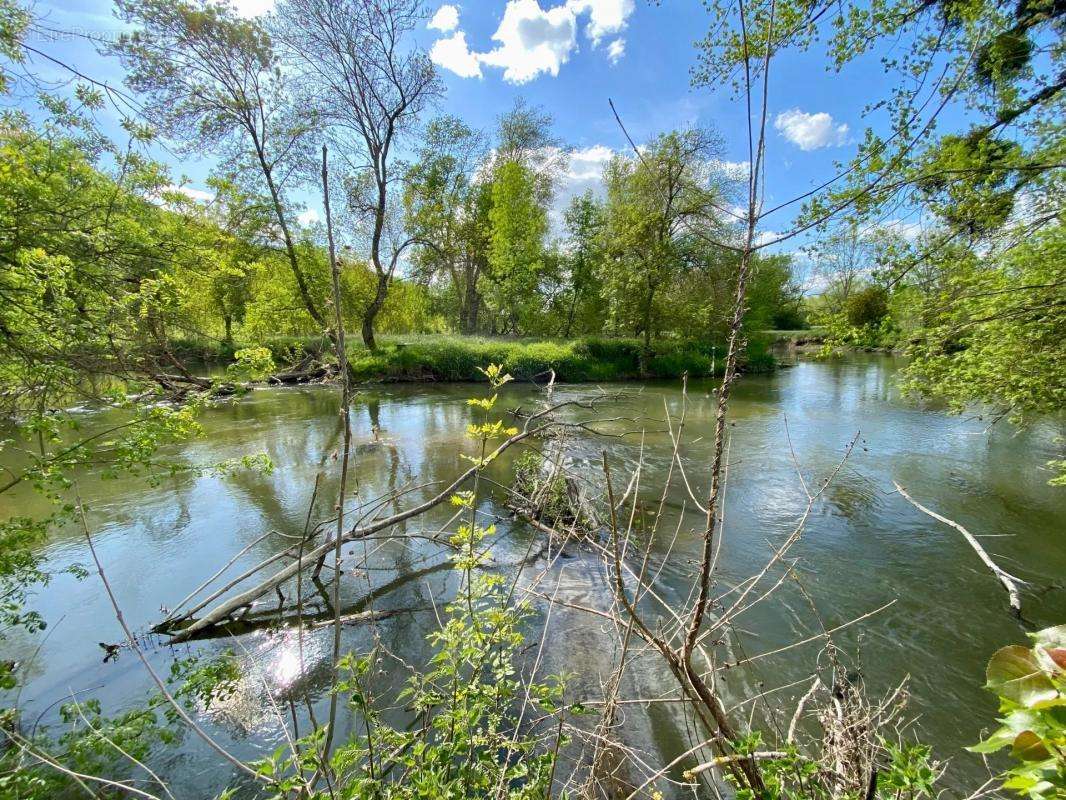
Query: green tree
pixel 661 207
pixel 519 223
pixel 213 81
pixel 446 212
pixel 582 257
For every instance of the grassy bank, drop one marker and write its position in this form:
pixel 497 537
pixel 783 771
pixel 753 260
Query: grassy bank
pixel 458 358
pixel 812 335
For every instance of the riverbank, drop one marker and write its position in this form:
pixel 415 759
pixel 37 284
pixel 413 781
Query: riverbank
pixel 445 359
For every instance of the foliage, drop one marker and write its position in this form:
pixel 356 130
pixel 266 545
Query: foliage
pixel 519 224
pixel 88 743
pixel 906 771
pixel 576 360
pixel 661 207
pixel 251 364
pixel 1030 683
pixel 868 306
pixel 994 332
pixel 13 23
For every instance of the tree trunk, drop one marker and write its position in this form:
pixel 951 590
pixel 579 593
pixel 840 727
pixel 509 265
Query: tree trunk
pixel 380 293
pixel 468 323
pixel 229 330
pixel 570 316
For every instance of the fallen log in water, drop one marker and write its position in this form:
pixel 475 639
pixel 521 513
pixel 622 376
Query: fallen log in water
pixel 185 627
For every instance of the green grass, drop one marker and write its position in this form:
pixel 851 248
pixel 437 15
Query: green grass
pixel 813 334
pixel 445 358
pixel 451 358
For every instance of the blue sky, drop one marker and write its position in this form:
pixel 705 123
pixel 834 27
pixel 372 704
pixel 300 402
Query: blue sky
pixel 569 57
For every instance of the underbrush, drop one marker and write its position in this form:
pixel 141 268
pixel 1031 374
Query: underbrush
pixel 573 361
pixel 461 358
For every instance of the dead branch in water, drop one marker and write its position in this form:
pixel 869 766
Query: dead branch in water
pixel 535 424
pixel 1010 583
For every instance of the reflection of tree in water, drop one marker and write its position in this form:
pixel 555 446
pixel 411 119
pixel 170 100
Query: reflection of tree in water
pixel 263 491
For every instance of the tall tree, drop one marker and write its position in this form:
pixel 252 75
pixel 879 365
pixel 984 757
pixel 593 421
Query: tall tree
pixel 584 222
pixel 371 84
pixel 212 79
pixel 659 205
pixel 446 212
pixel 519 223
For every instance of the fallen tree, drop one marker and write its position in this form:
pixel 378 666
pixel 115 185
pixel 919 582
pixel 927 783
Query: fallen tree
pixel 187 625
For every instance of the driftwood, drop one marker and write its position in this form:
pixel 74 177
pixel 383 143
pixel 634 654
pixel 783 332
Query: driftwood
pixel 308 369
pixel 1010 583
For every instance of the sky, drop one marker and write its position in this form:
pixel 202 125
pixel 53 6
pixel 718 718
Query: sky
pixel 570 57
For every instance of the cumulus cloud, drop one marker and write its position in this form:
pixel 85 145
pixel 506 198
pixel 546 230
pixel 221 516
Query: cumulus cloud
pixel 907 229
pixel 446 19
pixel 811 131
pixel 584 172
pixel 588 163
pixel 454 54
pixel 199 195
pixel 308 217
pixel 531 40
pixel 734 170
pixel 765 237
pixel 606 17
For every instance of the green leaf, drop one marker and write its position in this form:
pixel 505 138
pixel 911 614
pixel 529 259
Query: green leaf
pixel 1015 674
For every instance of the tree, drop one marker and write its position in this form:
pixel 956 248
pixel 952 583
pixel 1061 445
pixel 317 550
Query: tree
pixel 519 223
pixel 584 222
pixel 843 261
pixel 660 206
pixel 774 298
pixel 370 85
pixel 524 135
pixel 211 78
pixel 446 212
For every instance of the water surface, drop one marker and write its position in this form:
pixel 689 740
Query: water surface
pixel 863 547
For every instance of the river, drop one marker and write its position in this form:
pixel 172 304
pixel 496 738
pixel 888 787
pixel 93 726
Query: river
pixel 864 547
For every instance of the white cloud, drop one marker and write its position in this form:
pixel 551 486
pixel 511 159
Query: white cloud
pixel 530 40
pixel 308 217
pixel 446 19
pixel 584 173
pixel 734 170
pixel 588 163
pixel 252 8
pixel 765 237
pixel 199 195
pixel 811 131
pixel 454 54
pixel 907 229
pixel 606 17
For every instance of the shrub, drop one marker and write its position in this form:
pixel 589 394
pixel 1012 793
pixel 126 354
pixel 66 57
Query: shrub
pixel 1031 685
pixel 867 306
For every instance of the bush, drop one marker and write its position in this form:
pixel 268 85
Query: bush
pixel 867 306
pixel 1031 685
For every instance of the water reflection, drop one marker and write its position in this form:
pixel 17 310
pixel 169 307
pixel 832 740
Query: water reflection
pixel 864 546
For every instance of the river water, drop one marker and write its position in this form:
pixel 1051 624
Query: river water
pixel 863 547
